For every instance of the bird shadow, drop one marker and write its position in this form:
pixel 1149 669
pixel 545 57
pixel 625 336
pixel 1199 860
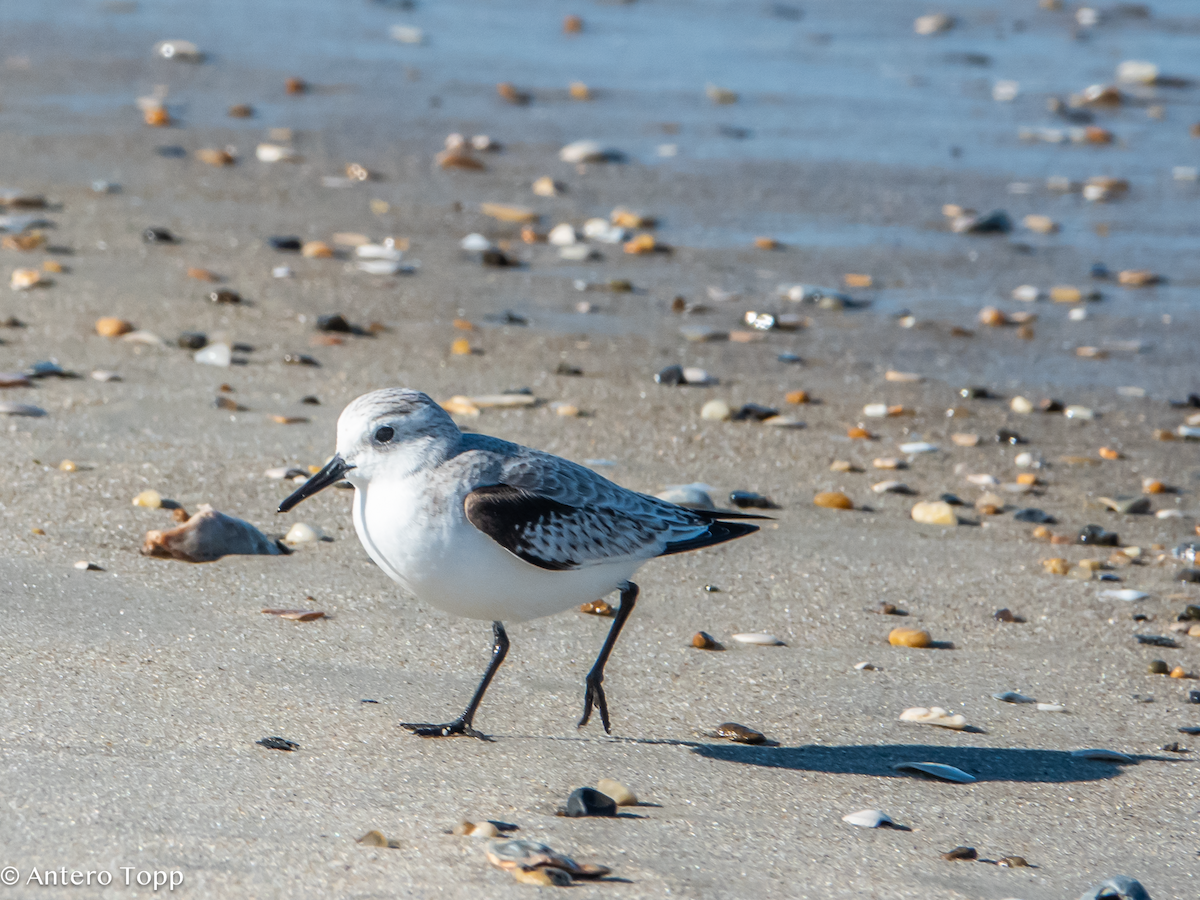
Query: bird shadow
pixel 985 763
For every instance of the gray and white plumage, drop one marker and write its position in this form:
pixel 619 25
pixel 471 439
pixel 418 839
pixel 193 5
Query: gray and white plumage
pixel 489 529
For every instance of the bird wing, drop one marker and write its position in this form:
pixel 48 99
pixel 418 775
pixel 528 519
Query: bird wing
pixel 557 515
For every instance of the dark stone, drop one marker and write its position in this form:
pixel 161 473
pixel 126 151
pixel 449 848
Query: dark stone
pixel 568 369
pixel 192 340
pixel 975 393
pixel 750 500
pixel 1006 615
pixel 952 499
pixel 508 317
pixel 711 589
pixel 789 358
pixel 961 853
pixel 1191 613
pixel 311 400
pixel 154 235
pixel 1096 536
pixel 587 801
pixel 278 743
pixel 173 151
pixel 670 376
pixel 1008 436
pixel 1156 640
pixel 288 242
pixel 497 259
pixel 299 359
pixel 225 296
pixel 335 322
pixel 1119 887
pixel 1050 406
pixel 1100 270
pixel 1191 576
pixel 995 222
pixel 1034 515
pixel 1193 697
pixel 754 411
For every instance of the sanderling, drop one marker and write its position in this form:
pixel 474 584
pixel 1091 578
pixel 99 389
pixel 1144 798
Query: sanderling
pixel 487 529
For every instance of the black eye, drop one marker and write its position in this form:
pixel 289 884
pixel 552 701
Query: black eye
pixel 384 434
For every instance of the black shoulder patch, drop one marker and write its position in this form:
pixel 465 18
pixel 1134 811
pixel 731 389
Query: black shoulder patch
pixel 513 518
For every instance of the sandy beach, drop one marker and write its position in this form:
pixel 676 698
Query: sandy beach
pixel 132 695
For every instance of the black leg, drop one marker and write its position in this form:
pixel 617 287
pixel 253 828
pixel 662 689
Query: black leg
pixel 595 678
pixel 462 725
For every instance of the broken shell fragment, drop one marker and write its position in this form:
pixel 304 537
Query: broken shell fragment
pixel 207 536
pixel 376 839
pixel 1101 755
pixel 934 715
pixel 739 734
pixel 505 212
pixel 939 771
pixel 868 818
pixel 23 279
pixel 760 638
pixel 909 637
pixel 296 615
pixel 510 855
pixel 149 499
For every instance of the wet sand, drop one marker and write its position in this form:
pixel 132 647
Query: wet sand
pixel 132 697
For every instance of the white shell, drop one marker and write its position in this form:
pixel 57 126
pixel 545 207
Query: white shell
pixel 181 50
pixel 105 375
pixel 875 410
pixel 582 152
pixel 866 667
pixel 84 566
pixel 1050 707
pixel 1028 293
pixel 934 715
pixel 1013 697
pixel 378 251
pixel 1079 412
pixel 379 266
pixel 577 253
pixel 892 487
pixel 1127 594
pixel 273 153
pixel 562 235
pixel 696 495
pixel 1169 514
pixel 758 637
pixel 603 231
pixel 918 447
pixel 696 375
pixel 301 533
pixel 141 336
pixel 407 34
pixel 983 480
pixel 214 355
pixel 475 242
pixel 936 770
pixel 1101 755
pixel 868 818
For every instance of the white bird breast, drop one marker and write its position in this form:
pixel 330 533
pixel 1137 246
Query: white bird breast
pixel 448 563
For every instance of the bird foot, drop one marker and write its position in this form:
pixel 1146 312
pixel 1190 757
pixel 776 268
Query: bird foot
pixel 459 727
pixel 594 696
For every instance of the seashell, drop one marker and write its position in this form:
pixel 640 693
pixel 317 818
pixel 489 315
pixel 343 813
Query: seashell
pixel 902 377
pixel 23 279
pixel 543 876
pixel 459 159
pixel 934 715
pixel 511 855
pixel 150 499
pixel 1050 707
pixel 207 536
pixel 1040 224
pixel 1119 887
pixel 875 410
pixel 296 615
pixel 407 34
pixel 739 734
pixel 865 667
pixel 914 447
pixel 562 235
pixel 1101 755
pixel 181 51
pixel 475 243
pixel 212 157
pixel 693 496
pixel 1127 594
pixel 585 151
pixel 622 795
pixel 240 111
pixel 21 409
pixel 984 480
pixel 719 95
pixel 84 566
pixel 547 187
pixel 215 355
pixel 1013 697
pixel 301 533
pixel 14 379
pixel 578 253
pixel 295 86
pixel 141 336
pixel 759 638
pixel 961 853
pixel 579 91
pixel 909 637
pixel 379 266
pixel 833 500
pixel 933 23
pixel 936 770
pixel 505 212
pixel 891 487
pixel 316 250
pixel 502 401
pixel 270 153
pixel 934 512
pixel 1027 293
pixel 964 439
pixel 373 838
pixel 716 411
pixel 868 818
pixel 386 251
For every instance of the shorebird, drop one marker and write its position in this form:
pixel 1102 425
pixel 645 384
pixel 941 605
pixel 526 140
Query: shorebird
pixel 487 529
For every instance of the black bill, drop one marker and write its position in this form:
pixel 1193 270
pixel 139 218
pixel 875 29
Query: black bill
pixel 331 474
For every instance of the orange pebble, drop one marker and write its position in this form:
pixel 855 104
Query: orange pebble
pixel 573 24
pixel 1153 486
pixel 157 116
pixel 1109 453
pixel 1026 478
pixel 1042 532
pixel 766 243
pixel 1178 672
pixel 110 326
pixel 833 500
pixel 858 434
pixel 797 397
pixel 460 347
pixel 295 86
pixel 579 91
pixel 858 281
pixel 463 325
pixel 909 637
pixel 643 243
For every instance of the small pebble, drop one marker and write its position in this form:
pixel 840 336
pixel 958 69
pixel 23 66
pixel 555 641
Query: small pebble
pixel 1012 862
pixel 215 355
pixel 597 608
pixel 371 838
pixel 1013 697
pixel 934 512
pixel 758 638
pixel 909 637
pixel 750 500
pixel 702 640
pixel 85 566
pixel 278 743
pixel 716 411
pixel 300 533
pixel 620 794
pixel 739 734
pixel 150 499
pixel 587 801
pixel 833 500
pixel 1097 536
